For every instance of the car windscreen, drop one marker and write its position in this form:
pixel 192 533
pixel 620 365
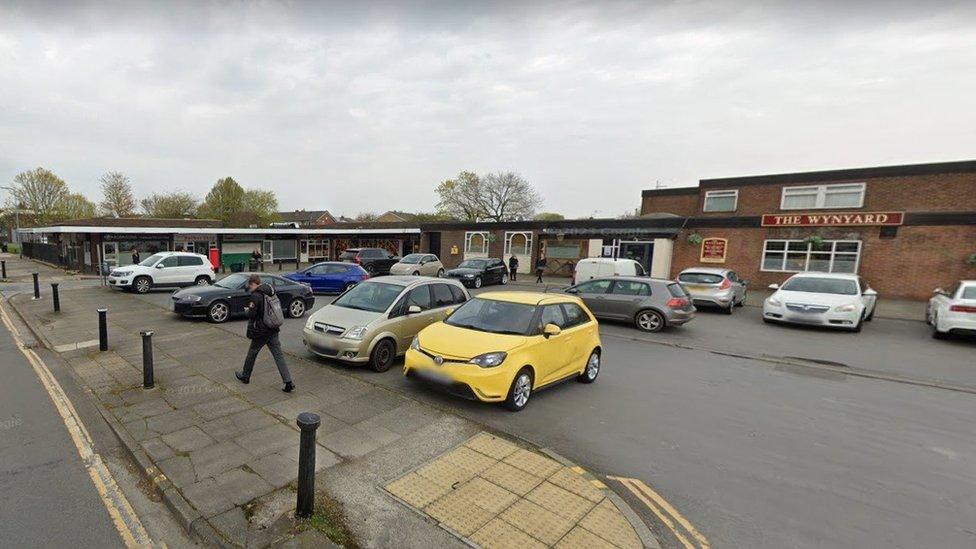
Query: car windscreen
pixel 969 292
pixel 151 260
pixel 371 296
pixel 497 317
pixel 412 258
pixel 700 278
pixel 821 285
pixel 473 264
pixel 232 282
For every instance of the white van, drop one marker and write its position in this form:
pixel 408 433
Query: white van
pixel 597 267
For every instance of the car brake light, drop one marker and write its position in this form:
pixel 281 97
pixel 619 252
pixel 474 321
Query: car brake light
pixel 725 285
pixel 677 303
pixel 963 308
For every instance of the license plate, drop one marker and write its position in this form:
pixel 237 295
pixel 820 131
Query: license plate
pixel 696 287
pixel 435 376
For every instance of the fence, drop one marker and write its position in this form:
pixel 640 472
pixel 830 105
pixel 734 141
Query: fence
pixel 50 253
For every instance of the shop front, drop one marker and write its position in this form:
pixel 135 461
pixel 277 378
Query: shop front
pixel 117 248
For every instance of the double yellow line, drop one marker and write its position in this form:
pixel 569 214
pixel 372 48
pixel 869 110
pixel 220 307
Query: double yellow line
pixel 681 527
pixel 123 517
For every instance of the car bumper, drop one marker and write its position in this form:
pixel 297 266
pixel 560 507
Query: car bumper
pixel 961 324
pixel 459 378
pixel 119 282
pixel 677 318
pixel 327 346
pixel 712 300
pixel 829 319
pixel 189 309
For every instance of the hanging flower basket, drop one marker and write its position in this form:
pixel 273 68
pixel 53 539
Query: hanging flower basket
pixel 971 260
pixel 695 238
pixel 816 242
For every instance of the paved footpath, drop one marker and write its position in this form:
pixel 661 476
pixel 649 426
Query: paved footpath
pixel 224 455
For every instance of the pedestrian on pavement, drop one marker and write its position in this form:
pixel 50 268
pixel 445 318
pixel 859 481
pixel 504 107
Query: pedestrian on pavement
pixel 512 267
pixel 135 256
pixel 261 334
pixel 540 267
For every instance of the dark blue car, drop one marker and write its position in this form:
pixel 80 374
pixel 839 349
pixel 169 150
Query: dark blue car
pixel 330 276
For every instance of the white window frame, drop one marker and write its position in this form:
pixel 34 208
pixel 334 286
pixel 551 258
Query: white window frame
pixel 821 192
pixel 809 250
pixel 509 235
pixel 467 242
pixel 734 193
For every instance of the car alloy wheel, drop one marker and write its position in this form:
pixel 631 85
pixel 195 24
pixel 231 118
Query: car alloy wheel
pixel 592 368
pixel 202 281
pixel 521 391
pixel 477 282
pixel 297 308
pixel 142 284
pixel 416 273
pixel 650 321
pixel 504 279
pixel 440 273
pixel 218 312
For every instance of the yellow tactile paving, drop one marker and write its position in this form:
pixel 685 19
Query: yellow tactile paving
pixel 469 459
pixel 560 501
pixel 511 478
pixel 606 521
pixel 576 483
pixel 459 514
pixel 416 490
pixel 539 523
pixel 578 538
pixel 486 495
pixel 445 473
pixel 492 446
pixel 499 534
pixel 533 463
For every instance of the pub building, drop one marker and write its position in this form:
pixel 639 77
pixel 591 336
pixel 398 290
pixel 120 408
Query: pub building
pixel 905 229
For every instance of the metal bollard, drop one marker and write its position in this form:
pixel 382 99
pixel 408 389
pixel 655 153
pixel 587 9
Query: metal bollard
pixel 102 330
pixel 148 381
pixel 297 266
pixel 308 423
pixel 57 298
pixel 3 269
pixel 280 263
pixel 37 287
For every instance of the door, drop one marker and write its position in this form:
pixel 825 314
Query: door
pixel 335 277
pixel 434 244
pixel 641 252
pixel 558 348
pixel 519 244
pixel 624 296
pixel 110 254
pixel 311 276
pixel 409 324
pixel 495 270
pixel 443 299
pixel 240 297
pixel 167 271
pixel 594 294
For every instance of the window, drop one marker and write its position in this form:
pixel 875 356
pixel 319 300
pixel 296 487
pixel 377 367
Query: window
pixel 849 195
pixel 419 296
pixel 553 314
pixel 280 282
pixel 574 315
pixel 627 287
pixel 721 201
pixel 442 295
pixel 700 278
pixel 676 290
pixel 594 287
pixel 833 256
pixel 190 261
pixel 969 292
pixel 171 261
pixel 475 242
pixel 458 293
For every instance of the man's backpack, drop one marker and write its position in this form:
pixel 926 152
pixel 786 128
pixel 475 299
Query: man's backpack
pixel 273 316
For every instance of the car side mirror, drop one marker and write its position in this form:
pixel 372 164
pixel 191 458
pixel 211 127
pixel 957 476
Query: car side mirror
pixel 413 309
pixel 773 286
pixel 744 282
pixel 870 293
pixel 551 330
pixel 572 291
pixel 939 291
pixel 160 266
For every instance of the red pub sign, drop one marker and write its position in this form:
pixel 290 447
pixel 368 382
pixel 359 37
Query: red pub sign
pixel 833 219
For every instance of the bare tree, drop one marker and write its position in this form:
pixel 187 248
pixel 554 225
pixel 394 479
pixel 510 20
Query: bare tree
pixel 172 205
pixel 40 191
pixel 76 206
pixel 117 197
pixel 502 196
pixel 366 217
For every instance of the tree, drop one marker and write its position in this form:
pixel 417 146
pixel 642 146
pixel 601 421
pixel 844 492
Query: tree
pixel 259 208
pixel 76 206
pixel 366 217
pixel 236 207
pixel 432 217
pixel 502 196
pixel 117 197
pixel 41 192
pixel 549 216
pixel 631 214
pixel 173 205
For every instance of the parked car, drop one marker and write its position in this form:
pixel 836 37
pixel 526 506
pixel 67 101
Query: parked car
pixel 712 287
pixel 163 269
pixel 228 297
pixel 417 265
pixel 376 261
pixel 330 276
pixel 480 272
pixel 822 299
pixel 598 267
pixel 504 346
pixel 953 311
pixel 375 320
pixel 652 304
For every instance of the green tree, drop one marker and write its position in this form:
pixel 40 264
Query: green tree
pixel 172 205
pixel 41 192
pixel 117 197
pixel 501 196
pixel 549 216
pixel 259 208
pixel 432 217
pixel 76 206
pixel 237 207
pixel 459 197
pixel 366 217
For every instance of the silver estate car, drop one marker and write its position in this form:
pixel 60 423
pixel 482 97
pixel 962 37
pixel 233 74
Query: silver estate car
pixel 714 287
pixel 375 321
pixel 652 304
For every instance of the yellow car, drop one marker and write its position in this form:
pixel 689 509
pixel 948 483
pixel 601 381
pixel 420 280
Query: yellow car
pixel 503 346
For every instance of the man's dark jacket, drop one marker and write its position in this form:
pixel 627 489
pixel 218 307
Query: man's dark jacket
pixel 256 328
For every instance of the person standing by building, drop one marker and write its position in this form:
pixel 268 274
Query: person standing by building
pixel 261 334
pixel 257 260
pixel 512 267
pixel 540 267
pixel 135 256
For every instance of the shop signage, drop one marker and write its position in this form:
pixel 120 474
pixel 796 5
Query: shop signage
pixel 858 219
pixel 135 237
pixel 713 250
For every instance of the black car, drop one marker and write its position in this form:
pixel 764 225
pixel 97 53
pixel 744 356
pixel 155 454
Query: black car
pixel 376 261
pixel 227 297
pixel 478 272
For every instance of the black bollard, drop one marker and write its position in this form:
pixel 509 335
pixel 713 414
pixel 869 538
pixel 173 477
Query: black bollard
pixel 3 268
pixel 296 264
pixel 308 423
pixel 280 263
pixel 57 298
pixel 102 330
pixel 37 287
pixel 148 382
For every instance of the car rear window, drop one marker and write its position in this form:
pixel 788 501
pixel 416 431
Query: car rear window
pixel 969 292
pixel 676 290
pixel 700 278
pixel 190 261
pixel 442 295
pixel 349 254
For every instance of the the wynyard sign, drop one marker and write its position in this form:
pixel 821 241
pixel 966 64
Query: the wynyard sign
pixel 859 219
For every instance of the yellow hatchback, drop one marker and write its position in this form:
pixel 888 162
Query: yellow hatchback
pixel 503 346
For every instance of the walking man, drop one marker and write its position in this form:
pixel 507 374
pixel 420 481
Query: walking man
pixel 540 267
pixel 512 267
pixel 261 334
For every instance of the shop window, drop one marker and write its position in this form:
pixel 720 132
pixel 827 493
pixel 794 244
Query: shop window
pixel 721 201
pixel 816 197
pixel 475 242
pixel 832 256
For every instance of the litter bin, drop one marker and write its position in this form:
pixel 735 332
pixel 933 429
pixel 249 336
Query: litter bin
pixel 237 267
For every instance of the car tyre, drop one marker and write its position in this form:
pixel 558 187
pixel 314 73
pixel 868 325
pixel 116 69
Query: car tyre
pixel 440 273
pixel 857 327
pixel 142 284
pixel 477 282
pixel 296 309
pixel 730 309
pixel 416 273
pixel 504 279
pixel 592 368
pixel 936 334
pixel 649 320
pixel 371 270
pixel 383 355
pixel 202 280
pixel 520 392
pixel 743 300
pixel 869 317
pixel 218 312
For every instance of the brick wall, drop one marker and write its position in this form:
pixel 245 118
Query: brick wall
pixel 683 204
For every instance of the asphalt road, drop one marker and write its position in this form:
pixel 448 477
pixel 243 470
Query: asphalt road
pixel 757 453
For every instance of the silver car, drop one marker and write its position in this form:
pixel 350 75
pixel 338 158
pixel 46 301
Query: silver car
pixel 652 304
pixel 712 287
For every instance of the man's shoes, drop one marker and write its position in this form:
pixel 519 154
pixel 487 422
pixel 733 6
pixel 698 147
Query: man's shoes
pixel 289 387
pixel 240 377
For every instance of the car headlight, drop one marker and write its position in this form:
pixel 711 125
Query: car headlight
pixel 469 276
pixel 774 302
pixel 415 344
pixel 489 360
pixel 846 308
pixel 356 332
pixel 191 298
pixel 121 273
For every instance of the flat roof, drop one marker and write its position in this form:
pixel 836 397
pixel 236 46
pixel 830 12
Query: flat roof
pixel 54 229
pixel 903 170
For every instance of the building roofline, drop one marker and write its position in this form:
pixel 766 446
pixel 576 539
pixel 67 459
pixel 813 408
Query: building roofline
pixel 215 230
pixel 677 191
pixel 932 168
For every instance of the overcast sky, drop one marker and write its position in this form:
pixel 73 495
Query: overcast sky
pixel 356 108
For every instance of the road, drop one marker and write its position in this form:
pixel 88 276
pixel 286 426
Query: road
pixel 757 453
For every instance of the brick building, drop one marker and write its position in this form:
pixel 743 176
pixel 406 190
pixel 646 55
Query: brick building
pixel 906 229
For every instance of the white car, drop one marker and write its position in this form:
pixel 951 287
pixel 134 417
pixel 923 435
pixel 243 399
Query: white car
pixel 163 269
pixel 822 299
pixel 953 312
pixel 599 267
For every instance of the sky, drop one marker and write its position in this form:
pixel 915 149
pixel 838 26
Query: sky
pixel 356 107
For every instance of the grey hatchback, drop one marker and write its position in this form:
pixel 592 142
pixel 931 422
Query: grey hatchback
pixel 652 304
